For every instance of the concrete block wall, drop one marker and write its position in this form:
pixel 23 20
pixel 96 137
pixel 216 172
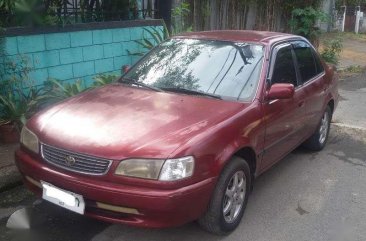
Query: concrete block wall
pixel 72 55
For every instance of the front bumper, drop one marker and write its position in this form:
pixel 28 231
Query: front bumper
pixel 113 202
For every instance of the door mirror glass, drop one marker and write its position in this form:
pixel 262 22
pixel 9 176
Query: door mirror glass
pixel 281 91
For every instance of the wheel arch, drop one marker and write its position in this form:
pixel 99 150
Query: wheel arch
pixel 249 155
pixel 245 152
pixel 331 105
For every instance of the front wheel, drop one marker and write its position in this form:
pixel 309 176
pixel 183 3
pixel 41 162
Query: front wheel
pixel 229 199
pixel 318 140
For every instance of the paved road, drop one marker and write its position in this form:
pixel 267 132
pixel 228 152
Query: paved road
pixel 307 196
pixel 352 108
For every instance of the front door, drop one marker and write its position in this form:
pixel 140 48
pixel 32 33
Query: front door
pixel 284 118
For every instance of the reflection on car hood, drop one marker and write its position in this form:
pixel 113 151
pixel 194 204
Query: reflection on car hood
pixel 119 121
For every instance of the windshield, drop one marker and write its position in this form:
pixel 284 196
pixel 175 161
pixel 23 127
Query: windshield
pixel 226 69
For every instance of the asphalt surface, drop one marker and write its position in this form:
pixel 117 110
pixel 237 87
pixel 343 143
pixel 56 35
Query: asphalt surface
pixel 306 196
pixel 352 108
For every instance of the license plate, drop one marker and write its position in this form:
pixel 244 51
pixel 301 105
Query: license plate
pixel 63 198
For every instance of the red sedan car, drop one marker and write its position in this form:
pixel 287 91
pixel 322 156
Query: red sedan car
pixel 183 134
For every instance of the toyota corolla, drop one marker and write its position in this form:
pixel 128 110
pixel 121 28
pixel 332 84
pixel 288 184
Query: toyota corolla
pixel 183 134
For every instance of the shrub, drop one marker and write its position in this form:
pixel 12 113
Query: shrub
pixel 104 79
pixel 55 90
pixel 19 97
pixel 331 51
pixel 304 21
pixel 152 38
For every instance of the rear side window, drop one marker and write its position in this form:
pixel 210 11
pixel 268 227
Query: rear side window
pixel 284 68
pixel 318 63
pixel 305 60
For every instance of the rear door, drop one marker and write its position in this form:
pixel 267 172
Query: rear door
pixel 312 81
pixel 284 118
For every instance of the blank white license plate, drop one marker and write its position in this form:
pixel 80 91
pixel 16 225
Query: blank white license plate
pixel 63 198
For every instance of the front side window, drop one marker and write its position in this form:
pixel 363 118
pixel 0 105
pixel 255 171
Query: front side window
pixel 226 69
pixel 284 69
pixel 305 60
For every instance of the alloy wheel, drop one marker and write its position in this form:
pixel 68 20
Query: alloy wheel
pixel 324 127
pixel 234 197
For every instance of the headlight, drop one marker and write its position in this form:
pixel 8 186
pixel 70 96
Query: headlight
pixel 142 168
pixel 175 169
pixel 29 140
pixel 169 170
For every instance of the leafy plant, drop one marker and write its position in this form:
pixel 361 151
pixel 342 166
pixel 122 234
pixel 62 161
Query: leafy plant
pixel 33 12
pixel 354 69
pixel 332 50
pixel 54 90
pixel 16 109
pixel 304 21
pixel 179 14
pixel 153 37
pixel 104 79
pixel 19 97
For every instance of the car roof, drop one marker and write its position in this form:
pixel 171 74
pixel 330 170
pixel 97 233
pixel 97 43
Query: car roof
pixel 263 37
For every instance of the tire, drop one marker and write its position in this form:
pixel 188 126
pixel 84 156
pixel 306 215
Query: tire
pixel 214 220
pixel 318 140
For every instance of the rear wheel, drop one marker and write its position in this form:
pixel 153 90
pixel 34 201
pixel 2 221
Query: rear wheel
pixel 229 199
pixel 318 140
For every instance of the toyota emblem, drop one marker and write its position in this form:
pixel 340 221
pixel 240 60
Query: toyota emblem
pixel 70 161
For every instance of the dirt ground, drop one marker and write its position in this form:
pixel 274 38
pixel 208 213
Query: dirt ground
pixel 354 50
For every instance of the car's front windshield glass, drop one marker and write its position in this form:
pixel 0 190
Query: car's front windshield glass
pixel 226 69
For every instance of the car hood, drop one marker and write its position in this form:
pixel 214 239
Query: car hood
pixel 118 121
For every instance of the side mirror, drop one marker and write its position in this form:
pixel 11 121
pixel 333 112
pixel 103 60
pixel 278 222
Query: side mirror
pixel 281 91
pixel 125 68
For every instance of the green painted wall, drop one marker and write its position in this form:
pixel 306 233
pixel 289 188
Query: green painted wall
pixel 69 56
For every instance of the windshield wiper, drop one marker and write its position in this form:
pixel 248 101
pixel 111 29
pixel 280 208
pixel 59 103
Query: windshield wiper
pixel 131 81
pixel 192 92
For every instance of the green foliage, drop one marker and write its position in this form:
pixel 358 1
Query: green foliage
pixel 104 79
pixel 182 10
pixel 55 90
pixel 304 20
pixel 16 108
pixel 58 12
pixel 33 13
pixel 151 37
pixel 25 13
pixel 19 97
pixel 331 51
pixel 354 69
pixel 179 14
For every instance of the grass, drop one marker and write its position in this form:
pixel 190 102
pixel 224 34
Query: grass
pixel 343 35
pixel 351 71
pixel 354 69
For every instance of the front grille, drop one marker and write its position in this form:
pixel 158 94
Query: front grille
pixel 80 163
